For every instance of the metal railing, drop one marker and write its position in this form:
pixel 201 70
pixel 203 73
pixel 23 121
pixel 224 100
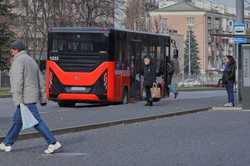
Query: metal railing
pixel 4 79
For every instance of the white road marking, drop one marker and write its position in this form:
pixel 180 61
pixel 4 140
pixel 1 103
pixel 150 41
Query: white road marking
pixel 245 110
pixel 227 109
pixel 69 154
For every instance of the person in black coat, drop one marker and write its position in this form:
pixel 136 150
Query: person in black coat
pixel 149 78
pixel 228 80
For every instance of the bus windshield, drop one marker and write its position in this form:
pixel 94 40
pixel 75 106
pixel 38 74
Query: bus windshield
pixel 80 43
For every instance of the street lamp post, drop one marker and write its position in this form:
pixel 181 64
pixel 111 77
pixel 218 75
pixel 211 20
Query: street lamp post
pixel 239 19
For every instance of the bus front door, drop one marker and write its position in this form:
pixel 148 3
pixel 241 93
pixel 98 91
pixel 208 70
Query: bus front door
pixel 135 67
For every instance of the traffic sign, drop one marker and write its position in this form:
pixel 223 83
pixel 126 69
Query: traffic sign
pixel 239 28
pixel 239 40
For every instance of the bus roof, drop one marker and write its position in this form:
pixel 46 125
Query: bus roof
pixel 97 30
pixel 78 29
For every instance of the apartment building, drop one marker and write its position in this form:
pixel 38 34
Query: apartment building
pixel 184 15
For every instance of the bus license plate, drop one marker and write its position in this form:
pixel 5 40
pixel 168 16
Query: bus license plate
pixel 78 88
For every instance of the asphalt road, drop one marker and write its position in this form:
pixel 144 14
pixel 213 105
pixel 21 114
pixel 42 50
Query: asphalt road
pixel 60 118
pixel 7 108
pixel 201 139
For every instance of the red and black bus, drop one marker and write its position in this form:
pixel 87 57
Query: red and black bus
pixel 101 65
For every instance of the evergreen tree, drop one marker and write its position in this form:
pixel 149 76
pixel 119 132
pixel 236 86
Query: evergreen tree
pixel 5 34
pixel 195 64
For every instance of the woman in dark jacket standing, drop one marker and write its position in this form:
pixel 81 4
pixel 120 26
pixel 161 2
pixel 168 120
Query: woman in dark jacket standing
pixel 149 79
pixel 228 80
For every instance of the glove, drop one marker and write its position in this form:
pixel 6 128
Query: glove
pixel 43 104
pixel 43 101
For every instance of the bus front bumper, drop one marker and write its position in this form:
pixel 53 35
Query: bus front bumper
pixel 78 97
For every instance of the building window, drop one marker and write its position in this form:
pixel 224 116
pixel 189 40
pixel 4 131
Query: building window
pixel 190 21
pixel 230 23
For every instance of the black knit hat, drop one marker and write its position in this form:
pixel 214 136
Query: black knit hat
pixel 147 56
pixel 18 44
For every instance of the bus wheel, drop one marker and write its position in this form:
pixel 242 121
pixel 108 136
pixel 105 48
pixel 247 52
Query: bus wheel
pixel 125 96
pixel 156 99
pixel 66 104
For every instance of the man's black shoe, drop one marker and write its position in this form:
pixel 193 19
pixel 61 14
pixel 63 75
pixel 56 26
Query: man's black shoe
pixel 151 103
pixel 175 95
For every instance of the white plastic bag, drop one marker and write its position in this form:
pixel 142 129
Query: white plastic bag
pixel 28 119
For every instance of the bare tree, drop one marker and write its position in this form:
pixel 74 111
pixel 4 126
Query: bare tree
pixel 5 34
pixel 138 13
pixel 97 12
pixel 135 14
pixel 156 27
pixel 28 22
pixel 34 17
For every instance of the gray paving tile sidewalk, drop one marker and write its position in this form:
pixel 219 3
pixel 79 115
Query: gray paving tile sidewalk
pixel 58 118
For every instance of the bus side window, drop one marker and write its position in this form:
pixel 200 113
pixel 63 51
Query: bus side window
pixel 158 61
pixel 167 51
pixel 125 56
pixel 118 52
pixel 144 52
pixel 121 51
pixel 162 61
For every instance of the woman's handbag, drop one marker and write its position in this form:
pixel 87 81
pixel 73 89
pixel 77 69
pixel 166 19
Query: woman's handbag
pixel 155 91
pixel 28 119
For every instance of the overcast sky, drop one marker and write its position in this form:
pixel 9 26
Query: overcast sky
pixel 230 3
